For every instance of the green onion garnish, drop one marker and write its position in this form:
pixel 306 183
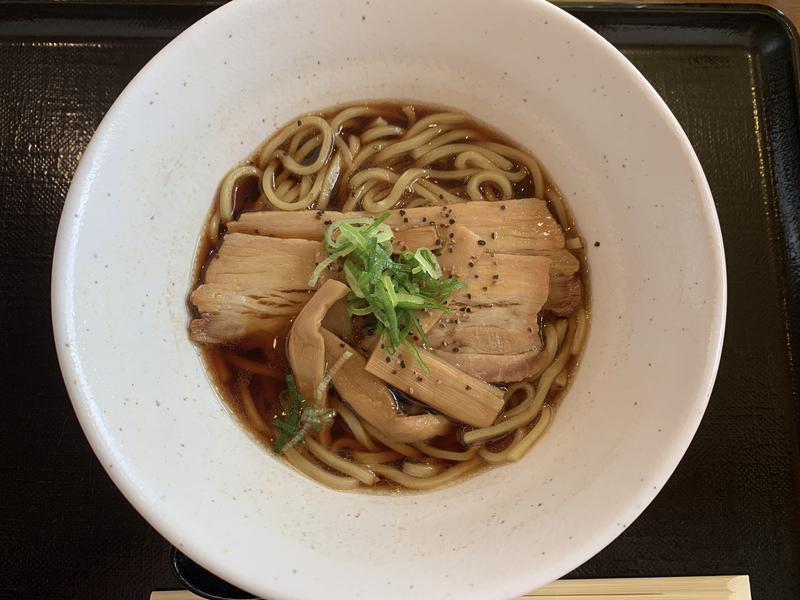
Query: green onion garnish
pixel 390 289
pixel 298 417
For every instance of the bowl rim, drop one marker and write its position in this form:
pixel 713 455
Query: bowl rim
pixel 62 287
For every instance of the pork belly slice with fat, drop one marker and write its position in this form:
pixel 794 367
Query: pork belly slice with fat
pixel 519 226
pixel 228 314
pixel 498 368
pixel 566 289
pixel 522 227
pixel 507 279
pixel 252 288
pixel 493 330
pixel 267 263
pixel 257 283
pixel 373 401
pixel 565 296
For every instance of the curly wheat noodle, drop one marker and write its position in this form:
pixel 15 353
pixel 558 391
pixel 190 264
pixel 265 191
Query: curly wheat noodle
pixel 526 160
pixel 296 127
pixel 212 230
pixel 325 437
pixel 370 203
pixel 404 449
pixel 291 133
pixel 406 145
pixel 410 114
pixel 357 194
pixel 250 410
pixel 354 112
pixel 325 147
pixel 302 136
pixel 573 243
pixel 550 343
pixel 561 379
pixel 300 154
pixel 304 465
pixel 532 406
pixel 561 329
pixel 354 196
pixel 422 469
pixel 494 177
pixel 434 120
pixel 377 133
pixel 496 458
pixel 418 202
pixel 292 192
pixel 227 187
pixel 447 137
pixel 329 182
pixel 375 194
pixel 365 153
pixel 344 150
pixel 453 149
pixel 374 173
pixel 385 456
pixel 277 202
pixel 533 435
pixel 427 483
pixel 345 444
pixel 580 330
pixel 353 143
pixel 554 198
pixel 349 204
pixel 305 185
pixel 354 425
pixel 454 174
pixel 436 194
pixel 221 367
pixel 342 465
pixel 528 391
pixel 288 190
pixel 456 456
pixel 282 188
pixel 470 157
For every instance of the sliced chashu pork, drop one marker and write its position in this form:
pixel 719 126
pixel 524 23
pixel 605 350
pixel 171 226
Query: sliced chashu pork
pixel 257 283
pixel 510 227
pixel 520 226
pixel 493 330
pixel 252 287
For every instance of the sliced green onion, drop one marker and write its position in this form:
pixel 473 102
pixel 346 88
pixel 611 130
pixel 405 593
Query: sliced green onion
pixel 389 287
pixel 428 263
pixel 351 273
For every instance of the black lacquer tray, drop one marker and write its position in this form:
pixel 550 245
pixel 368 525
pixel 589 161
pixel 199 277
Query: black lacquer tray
pixel 732 507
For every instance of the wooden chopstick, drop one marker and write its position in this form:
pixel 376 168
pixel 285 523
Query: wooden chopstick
pixel 735 587
pixel 727 587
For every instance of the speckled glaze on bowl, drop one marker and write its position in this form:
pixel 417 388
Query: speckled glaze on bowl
pixel 123 268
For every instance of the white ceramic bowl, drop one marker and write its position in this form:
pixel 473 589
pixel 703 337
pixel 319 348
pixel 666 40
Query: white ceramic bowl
pixel 123 269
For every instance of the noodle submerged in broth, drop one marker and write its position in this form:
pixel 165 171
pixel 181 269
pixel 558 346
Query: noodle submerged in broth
pixel 391 296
